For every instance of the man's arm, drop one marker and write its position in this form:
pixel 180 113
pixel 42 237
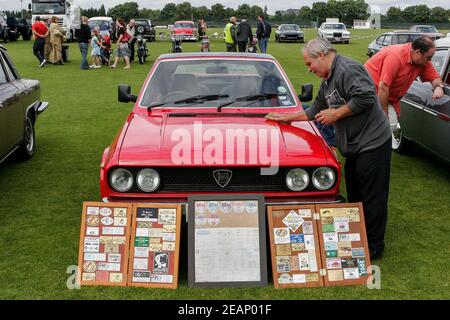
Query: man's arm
pixel 438 91
pixel 383 95
pixel 330 116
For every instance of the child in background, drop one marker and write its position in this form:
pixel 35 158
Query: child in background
pixel 96 45
pixel 105 52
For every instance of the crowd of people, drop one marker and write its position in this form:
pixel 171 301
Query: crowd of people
pixel 49 38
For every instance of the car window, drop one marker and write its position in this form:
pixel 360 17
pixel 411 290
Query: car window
pixel 426 29
pixel 3 78
pixel 183 25
pixel 438 59
pixel 174 80
pixel 387 39
pixel 142 22
pixel 405 38
pixel 10 67
pixel 289 28
pixel 380 40
pixel 335 26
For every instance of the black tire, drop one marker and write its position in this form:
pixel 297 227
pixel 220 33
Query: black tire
pixel 400 144
pixel 346 42
pixel 28 146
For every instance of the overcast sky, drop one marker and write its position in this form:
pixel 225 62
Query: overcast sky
pixel 272 6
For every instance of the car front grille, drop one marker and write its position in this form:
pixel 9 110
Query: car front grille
pixel 337 34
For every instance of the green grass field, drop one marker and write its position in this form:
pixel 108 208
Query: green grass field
pixel 41 200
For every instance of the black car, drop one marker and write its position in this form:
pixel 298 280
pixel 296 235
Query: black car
pixel 20 105
pixel 19 27
pixel 145 28
pixel 289 32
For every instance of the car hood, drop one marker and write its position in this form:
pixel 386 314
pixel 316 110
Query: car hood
pixel 183 30
pixel 152 140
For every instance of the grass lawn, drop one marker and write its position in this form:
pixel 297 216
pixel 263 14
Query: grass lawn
pixel 41 200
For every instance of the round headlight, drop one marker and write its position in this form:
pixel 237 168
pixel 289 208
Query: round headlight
pixel 297 179
pixel 148 180
pixel 121 180
pixel 323 178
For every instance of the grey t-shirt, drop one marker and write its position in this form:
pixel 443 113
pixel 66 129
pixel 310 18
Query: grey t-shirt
pixel 349 83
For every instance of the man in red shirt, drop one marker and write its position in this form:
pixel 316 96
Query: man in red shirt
pixel 40 32
pixel 394 68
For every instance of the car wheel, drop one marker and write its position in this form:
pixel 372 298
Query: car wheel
pixel 27 148
pixel 140 29
pixel 399 143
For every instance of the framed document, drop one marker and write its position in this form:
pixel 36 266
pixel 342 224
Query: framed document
pixel 104 240
pixel 155 246
pixel 227 241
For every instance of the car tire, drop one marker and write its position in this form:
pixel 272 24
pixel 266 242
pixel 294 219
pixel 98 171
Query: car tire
pixel 140 29
pixel 400 144
pixel 346 42
pixel 27 148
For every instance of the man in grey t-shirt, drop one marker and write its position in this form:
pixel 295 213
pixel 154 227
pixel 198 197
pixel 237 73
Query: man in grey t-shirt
pixel 347 98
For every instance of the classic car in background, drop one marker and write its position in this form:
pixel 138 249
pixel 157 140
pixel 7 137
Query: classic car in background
pixel 289 32
pixel 334 32
pixel 424 121
pixel 389 38
pixel 105 24
pixel 184 30
pixel 145 28
pixel 198 126
pixel 429 31
pixel 20 106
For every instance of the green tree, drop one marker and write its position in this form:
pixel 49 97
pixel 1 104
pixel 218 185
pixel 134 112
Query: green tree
pixel 439 15
pixel 319 12
pixel 218 12
pixel 127 11
pixel 169 12
pixel 102 11
pixel 305 13
pixel 243 10
pixel 420 13
pixel 394 14
pixel 184 11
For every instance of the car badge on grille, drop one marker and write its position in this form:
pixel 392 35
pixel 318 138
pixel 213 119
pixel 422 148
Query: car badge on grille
pixel 222 177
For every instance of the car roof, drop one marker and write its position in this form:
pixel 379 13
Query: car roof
pixel 403 32
pixel 216 55
pixel 288 24
pixel 101 18
pixel 443 42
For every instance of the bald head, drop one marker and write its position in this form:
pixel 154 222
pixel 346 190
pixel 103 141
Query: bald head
pixel 233 19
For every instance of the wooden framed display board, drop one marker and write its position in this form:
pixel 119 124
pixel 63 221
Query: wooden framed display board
pixel 338 256
pixel 227 241
pixel 155 246
pixel 104 240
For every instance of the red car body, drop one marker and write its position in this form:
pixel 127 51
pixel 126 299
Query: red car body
pixel 145 142
pixel 184 30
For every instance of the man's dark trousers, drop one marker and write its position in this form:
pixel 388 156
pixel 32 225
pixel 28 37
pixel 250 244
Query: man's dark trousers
pixel 367 179
pixel 38 48
pixel 242 46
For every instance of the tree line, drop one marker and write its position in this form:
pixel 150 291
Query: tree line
pixel 420 13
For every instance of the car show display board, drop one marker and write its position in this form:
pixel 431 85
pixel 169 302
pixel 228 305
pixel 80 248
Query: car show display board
pixel 104 240
pixel 130 244
pixel 155 246
pixel 227 241
pixel 318 245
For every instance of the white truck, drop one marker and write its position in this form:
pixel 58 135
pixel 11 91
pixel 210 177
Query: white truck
pixel 66 11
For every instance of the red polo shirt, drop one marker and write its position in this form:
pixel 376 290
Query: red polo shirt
pixel 40 28
pixel 394 67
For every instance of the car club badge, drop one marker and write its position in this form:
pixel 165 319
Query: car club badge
pixel 222 177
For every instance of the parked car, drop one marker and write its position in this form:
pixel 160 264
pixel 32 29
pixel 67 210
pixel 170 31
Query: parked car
pixel 3 27
pixel 20 106
pixel 289 32
pixel 334 32
pixel 429 31
pixel 389 38
pixel 221 98
pixel 145 28
pixel 423 120
pixel 184 30
pixel 106 25
pixel 19 27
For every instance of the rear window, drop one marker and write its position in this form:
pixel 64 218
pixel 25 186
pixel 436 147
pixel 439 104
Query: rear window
pixel 142 22
pixel 183 25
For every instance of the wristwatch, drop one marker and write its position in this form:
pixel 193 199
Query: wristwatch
pixel 439 86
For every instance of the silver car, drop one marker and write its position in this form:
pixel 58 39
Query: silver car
pixel 424 121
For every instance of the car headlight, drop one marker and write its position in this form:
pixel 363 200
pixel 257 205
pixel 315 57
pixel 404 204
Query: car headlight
pixel 323 178
pixel 148 180
pixel 121 180
pixel 297 179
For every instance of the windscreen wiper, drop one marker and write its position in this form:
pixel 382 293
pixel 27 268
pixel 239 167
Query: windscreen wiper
pixel 193 99
pixel 255 97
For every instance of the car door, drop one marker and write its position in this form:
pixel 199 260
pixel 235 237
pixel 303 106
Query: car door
pixel 12 117
pixel 425 120
pixel 379 43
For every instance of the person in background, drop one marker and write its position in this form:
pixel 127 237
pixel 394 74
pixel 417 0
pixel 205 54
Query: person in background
pixel 244 34
pixel 263 31
pixel 48 45
pixel 131 30
pixel 122 44
pixel 105 51
pixel 347 98
pixel 56 40
pixel 84 36
pixel 40 32
pixel 96 47
pixel 230 35
pixel 394 69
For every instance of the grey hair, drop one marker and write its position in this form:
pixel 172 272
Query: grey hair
pixel 317 46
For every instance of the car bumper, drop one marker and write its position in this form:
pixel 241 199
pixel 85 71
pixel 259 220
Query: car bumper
pixel 184 37
pixel 337 39
pixel 268 201
pixel 290 38
pixel 41 107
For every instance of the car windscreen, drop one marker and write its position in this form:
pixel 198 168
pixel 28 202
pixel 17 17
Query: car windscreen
pixel 102 24
pixel 49 7
pixel 335 26
pixel 426 29
pixel 289 28
pixel 142 22
pixel 229 79
pixel 404 38
pixel 183 25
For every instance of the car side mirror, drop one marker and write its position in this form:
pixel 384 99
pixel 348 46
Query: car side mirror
pixel 125 94
pixel 307 93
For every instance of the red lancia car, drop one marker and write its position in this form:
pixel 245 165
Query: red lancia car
pixel 198 126
pixel 184 30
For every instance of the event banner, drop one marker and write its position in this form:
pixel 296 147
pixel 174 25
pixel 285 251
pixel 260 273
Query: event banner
pixel 318 245
pixel 129 244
